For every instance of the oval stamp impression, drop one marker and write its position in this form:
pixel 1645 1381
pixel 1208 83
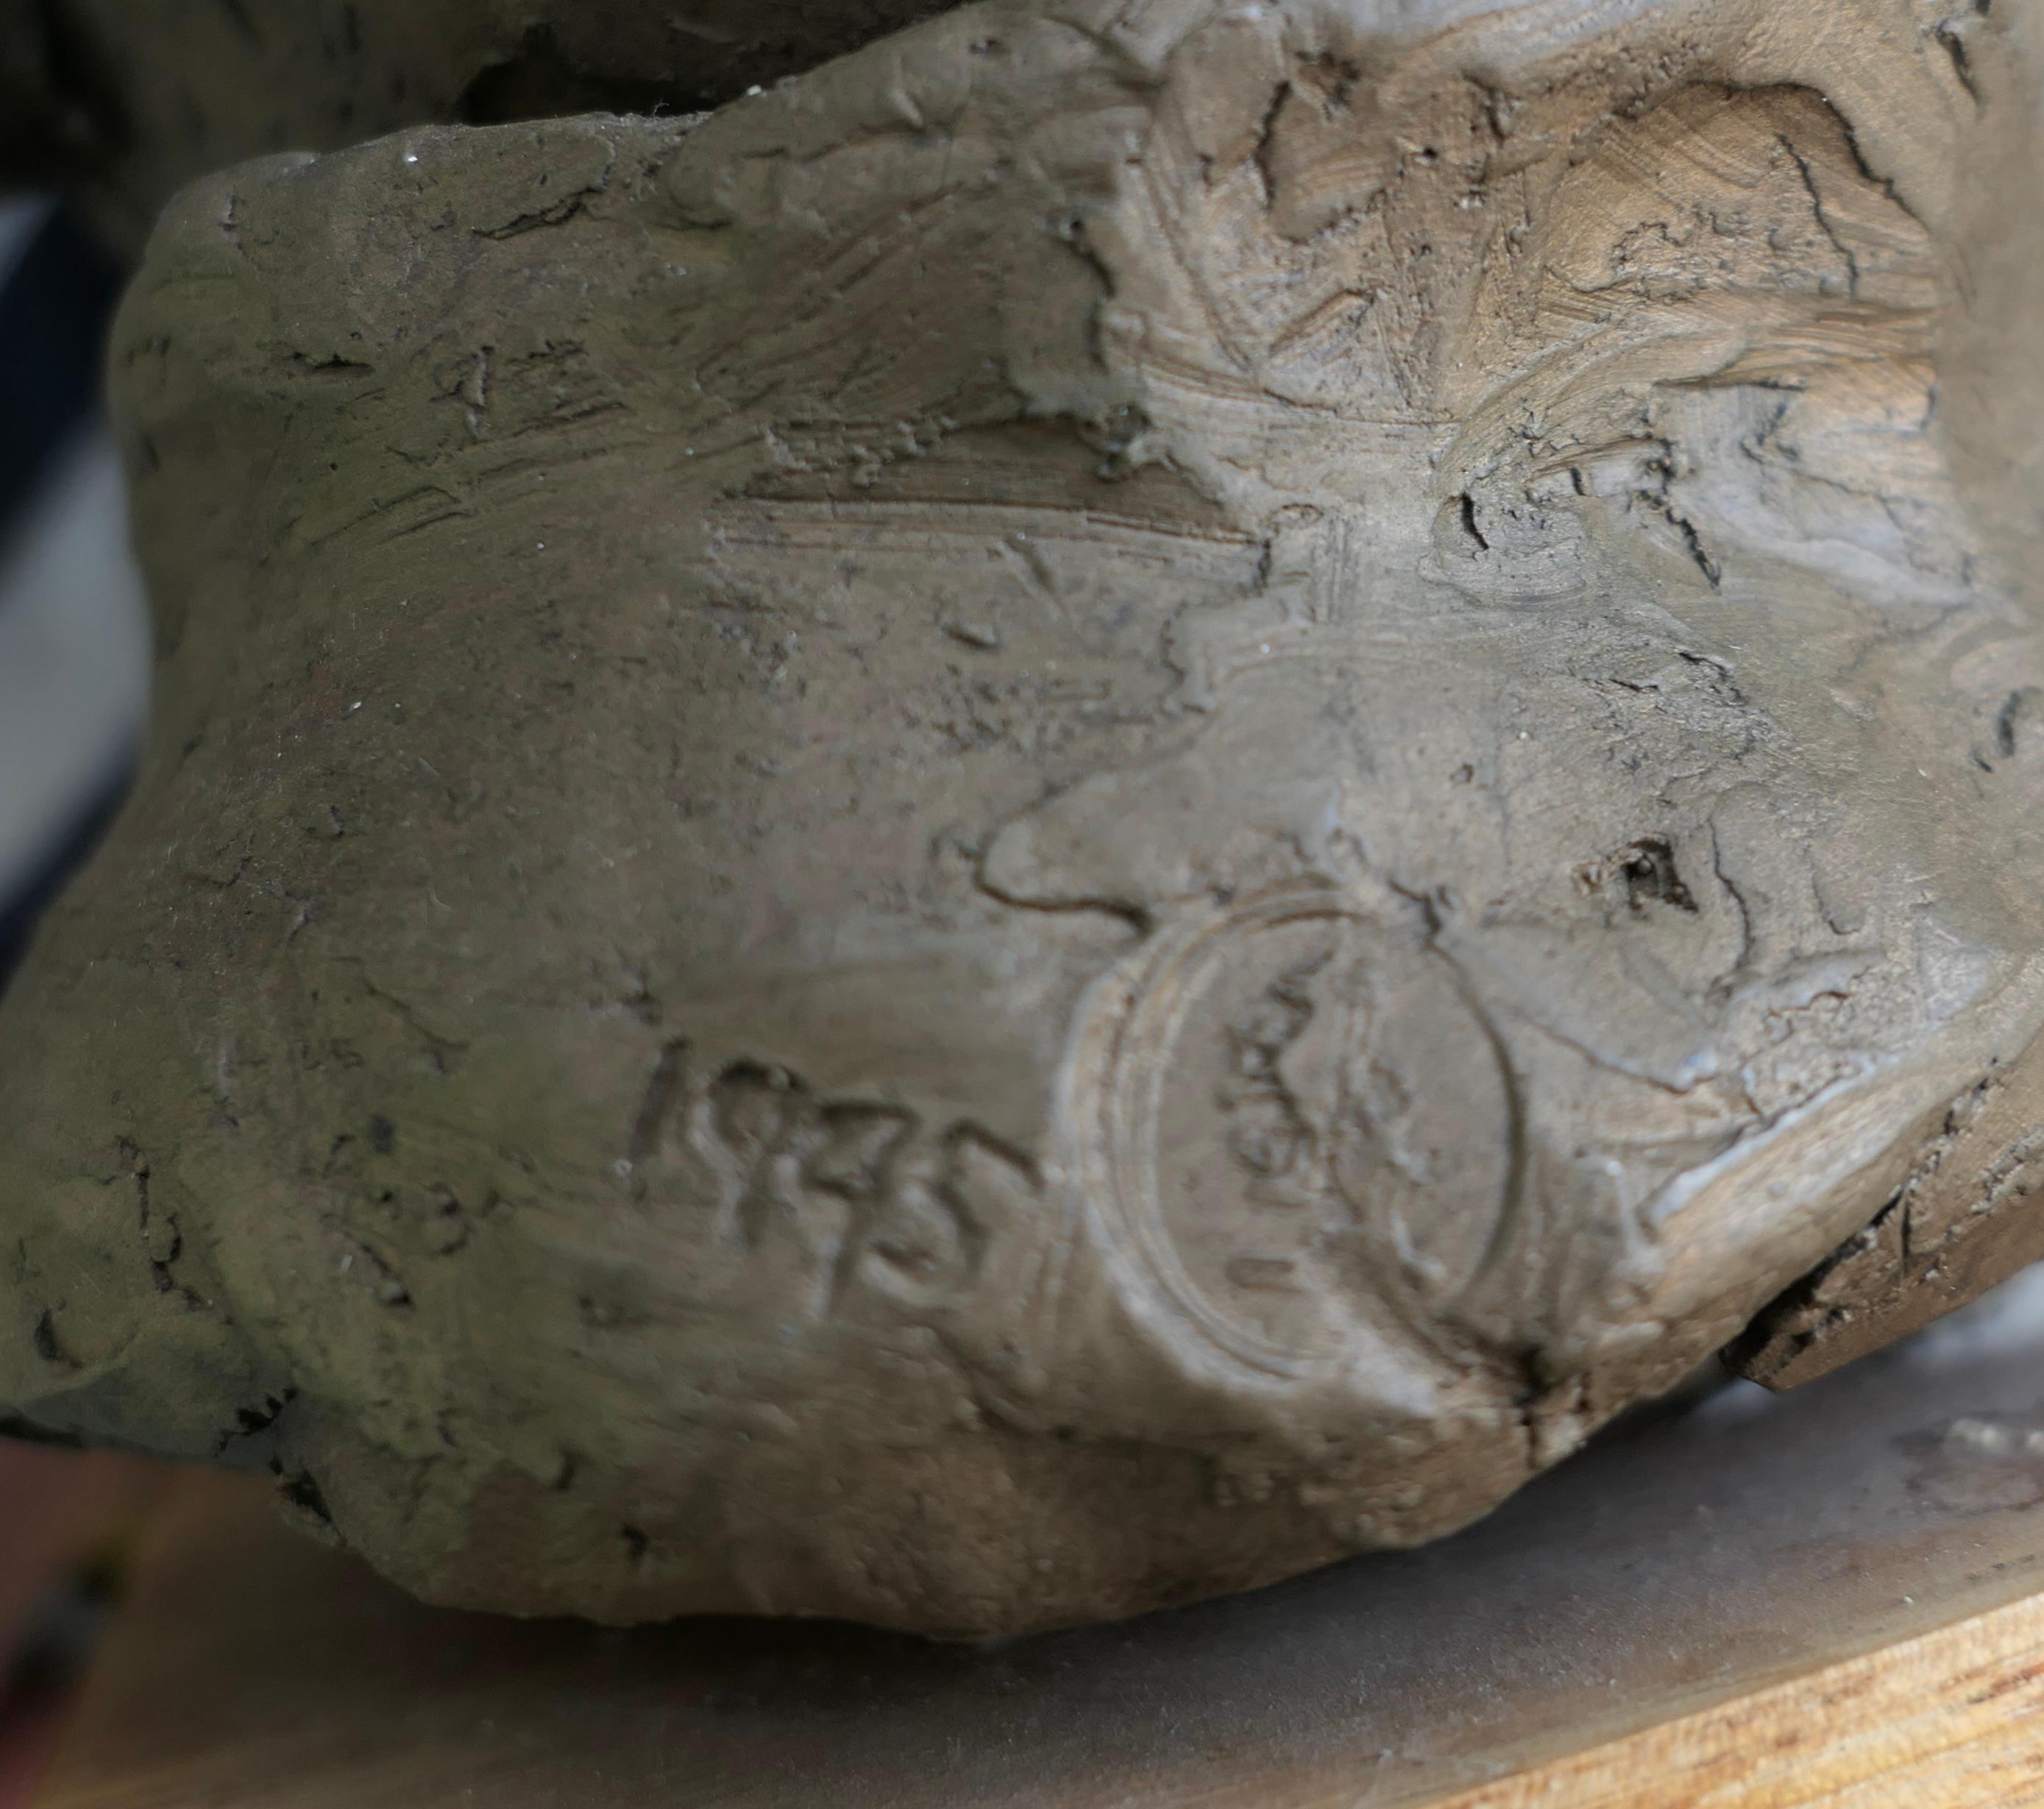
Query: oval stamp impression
pixel 1297 1125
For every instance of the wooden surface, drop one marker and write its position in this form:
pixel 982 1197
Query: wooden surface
pixel 1949 1720
pixel 1835 1598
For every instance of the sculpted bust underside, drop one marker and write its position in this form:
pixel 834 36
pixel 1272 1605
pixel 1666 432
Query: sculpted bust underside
pixel 1116 798
pixel 129 100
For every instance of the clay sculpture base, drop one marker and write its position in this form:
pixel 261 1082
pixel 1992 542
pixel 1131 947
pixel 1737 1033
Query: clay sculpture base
pixel 1829 1602
pixel 1119 799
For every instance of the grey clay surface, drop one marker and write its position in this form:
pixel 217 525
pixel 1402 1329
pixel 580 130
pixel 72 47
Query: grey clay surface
pixel 1119 798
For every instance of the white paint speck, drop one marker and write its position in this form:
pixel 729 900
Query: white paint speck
pixel 354 706
pixel 411 156
pixel 755 88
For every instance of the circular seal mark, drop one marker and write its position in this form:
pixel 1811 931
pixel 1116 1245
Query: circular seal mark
pixel 1296 1124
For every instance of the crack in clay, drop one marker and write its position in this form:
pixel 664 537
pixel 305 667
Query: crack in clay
pixel 1830 231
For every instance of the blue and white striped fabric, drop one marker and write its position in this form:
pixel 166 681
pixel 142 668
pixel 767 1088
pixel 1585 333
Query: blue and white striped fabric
pixel 74 654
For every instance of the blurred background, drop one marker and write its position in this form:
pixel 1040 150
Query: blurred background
pixel 74 679
pixel 73 640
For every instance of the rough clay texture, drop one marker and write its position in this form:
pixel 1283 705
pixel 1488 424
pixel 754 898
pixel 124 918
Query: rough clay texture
pixel 131 99
pixel 1116 799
